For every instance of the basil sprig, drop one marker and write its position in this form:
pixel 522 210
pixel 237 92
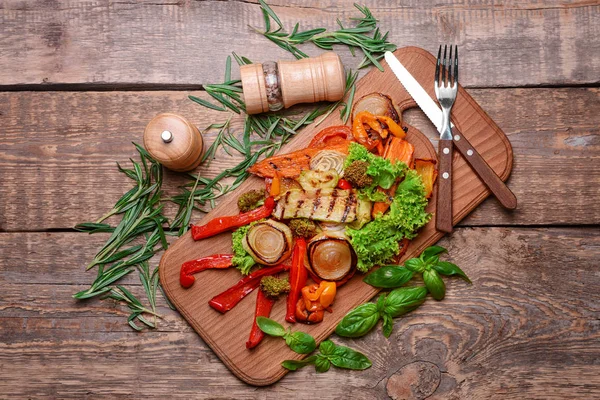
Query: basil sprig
pixel 363 318
pixel 428 264
pixel 300 342
pixel 331 354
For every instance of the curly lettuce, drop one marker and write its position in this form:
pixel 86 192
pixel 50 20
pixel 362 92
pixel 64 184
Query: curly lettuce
pixel 241 259
pixel 383 172
pixel 378 241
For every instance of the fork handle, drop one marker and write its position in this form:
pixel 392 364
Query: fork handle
pixel 443 219
pixel 485 172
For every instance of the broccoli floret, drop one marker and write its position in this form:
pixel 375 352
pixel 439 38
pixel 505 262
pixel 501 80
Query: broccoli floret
pixel 303 227
pixel 356 174
pixel 241 259
pixel 272 287
pixel 251 200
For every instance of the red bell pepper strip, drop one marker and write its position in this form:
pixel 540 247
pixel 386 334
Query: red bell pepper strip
pixel 331 135
pixel 298 276
pixel 225 301
pixel 223 224
pixel 344 184
pixel 263 309
pixel 188 268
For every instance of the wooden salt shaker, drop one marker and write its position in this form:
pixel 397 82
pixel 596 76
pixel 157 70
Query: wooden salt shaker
pixel 272 86
pixel 174 142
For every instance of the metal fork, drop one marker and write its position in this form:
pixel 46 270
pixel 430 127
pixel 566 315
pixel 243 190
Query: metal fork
pixel 446 88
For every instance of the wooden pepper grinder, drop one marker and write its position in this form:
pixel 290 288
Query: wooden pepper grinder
pixel 272 86
pixel 174 142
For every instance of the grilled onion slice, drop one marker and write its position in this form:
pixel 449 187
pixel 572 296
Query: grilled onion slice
pixel 330 258
pixel 268 242
pixel 376 104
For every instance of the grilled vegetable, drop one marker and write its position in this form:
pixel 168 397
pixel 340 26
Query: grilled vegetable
pixel 292 164
pixel 273 287
pixel 330 205
pixel 356 174
pixel 428 173
pixel 376 104
pixel 251 200
pixel 327 160
pixel 268 242
pixel 330 258
pixel 303 227
pixel 312 180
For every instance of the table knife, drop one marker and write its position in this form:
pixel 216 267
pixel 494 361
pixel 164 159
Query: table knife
pixel 504 195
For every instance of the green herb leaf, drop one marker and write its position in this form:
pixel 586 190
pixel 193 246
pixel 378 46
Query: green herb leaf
pixel 435 284
pixel 447 268
pixel 415 265
pixel 327 347
pixel 403 300
pixel 270 327
pixel 345 357
pixel 300 342
pixel 432 251
pixel 294 365
pixel 322 363
pixel 390 276
pixel 388 325
pixel 359 321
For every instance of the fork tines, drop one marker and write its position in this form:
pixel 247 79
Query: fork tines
pixel 449 70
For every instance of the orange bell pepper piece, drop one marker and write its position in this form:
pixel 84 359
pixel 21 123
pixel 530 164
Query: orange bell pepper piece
pixel 392 126
pixel 426 169
pixel 275 185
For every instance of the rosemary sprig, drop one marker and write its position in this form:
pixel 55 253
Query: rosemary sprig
pixel 142 217
pixel 372 47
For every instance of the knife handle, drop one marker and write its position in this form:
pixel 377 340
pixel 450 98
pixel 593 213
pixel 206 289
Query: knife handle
pixel 443 219
pixel 484 171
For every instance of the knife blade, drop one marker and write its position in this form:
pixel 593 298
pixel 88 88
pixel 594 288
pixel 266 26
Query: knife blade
pixel 434 113
pixel 416 91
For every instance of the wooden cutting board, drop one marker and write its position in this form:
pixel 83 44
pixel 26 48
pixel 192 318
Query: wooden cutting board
pixel 227 333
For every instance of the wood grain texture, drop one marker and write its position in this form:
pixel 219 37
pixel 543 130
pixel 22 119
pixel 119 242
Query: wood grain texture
pixel 260 366
pixel 141 43
pixel 525 328
pixel 58 152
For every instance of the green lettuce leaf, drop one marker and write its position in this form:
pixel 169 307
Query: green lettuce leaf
pixel 378 241
pixel 241 259
pixel 383 172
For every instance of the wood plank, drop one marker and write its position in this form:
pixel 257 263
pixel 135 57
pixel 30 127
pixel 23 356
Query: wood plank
pixel 58 152
pixel 525 328
pixel 131 43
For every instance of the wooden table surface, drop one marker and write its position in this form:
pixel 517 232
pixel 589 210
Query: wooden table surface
pixel 80 80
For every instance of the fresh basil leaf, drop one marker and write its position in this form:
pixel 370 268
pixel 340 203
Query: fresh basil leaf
pixel 322 363
pixel 403 300
pixel 389 277
pixel 270 327
pixel 435 284
pixel 345 357
pixel 431 261
pixel 388 325
pixel 415 265
pixel 447 268
pixel 294 365
pixel 359 321
pixel 432 251
pixel 327 347
pixel 300 342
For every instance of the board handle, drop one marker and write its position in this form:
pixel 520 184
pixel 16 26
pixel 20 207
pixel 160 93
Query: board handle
pixel 443 219
pixel 504 195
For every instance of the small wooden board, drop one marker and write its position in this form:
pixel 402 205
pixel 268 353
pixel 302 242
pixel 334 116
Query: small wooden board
pixel 227 334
